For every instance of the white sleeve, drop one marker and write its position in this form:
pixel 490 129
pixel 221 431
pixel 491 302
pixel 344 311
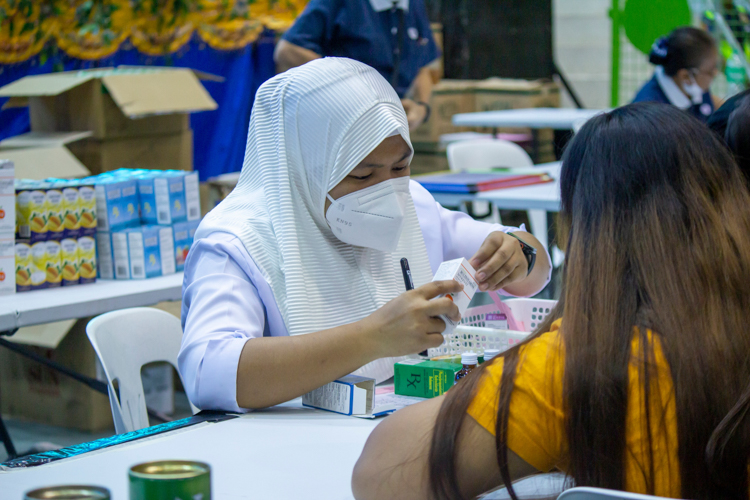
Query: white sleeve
pixel 462 235
pixel 221 310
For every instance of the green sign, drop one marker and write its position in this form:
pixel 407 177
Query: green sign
pixel 647 20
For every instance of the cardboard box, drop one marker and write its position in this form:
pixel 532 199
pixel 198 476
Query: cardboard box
pixel 169 197
pixel 116 203
pixel 7 199
pixel 7 228
pixel 24 265
pixel 31 391
pixel 350 395
pixel 182 242
pixel 424 379
pixel 458 270
pixel 87 259
pixel 7 265
pixel 114 102
pixel 161 151
pixel 496 94
pixel 353 395
pixel 39 156
pixel 112 257
pixel 105 264
pixel 151 251
pixel 449 97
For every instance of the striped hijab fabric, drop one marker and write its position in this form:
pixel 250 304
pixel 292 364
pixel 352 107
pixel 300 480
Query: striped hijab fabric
pixel 310 126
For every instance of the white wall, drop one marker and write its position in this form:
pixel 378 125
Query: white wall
pixel 582 42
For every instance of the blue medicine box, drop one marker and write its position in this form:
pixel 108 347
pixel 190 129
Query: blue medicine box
pixel 151 251
pixel 162 196
pixel 182 242
pixel 116 203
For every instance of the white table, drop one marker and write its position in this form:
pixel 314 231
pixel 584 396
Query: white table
pixel 536 118
pixel 56 304
pixel 46 306
pixel 283 452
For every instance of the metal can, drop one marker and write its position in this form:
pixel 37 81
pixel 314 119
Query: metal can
pixel 172 479
pixel 71 492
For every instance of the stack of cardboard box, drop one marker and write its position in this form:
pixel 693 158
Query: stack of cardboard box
pixel 450 97
pixel 138 116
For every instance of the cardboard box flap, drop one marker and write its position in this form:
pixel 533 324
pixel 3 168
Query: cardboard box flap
pixel 42 139
pixel 48 335
pixel 40 163
pixel 162 92
pixel 202 75
pixel 209 77
pixel 16 102
pixel 46 85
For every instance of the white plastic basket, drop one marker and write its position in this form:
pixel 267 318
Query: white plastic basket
pixel 472 335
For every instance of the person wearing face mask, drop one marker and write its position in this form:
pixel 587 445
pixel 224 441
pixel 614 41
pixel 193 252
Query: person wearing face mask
pixel 294 279
pixel 686 65
pixel 392 36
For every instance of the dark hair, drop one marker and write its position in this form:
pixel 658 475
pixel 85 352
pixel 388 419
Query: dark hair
pixel 732 124
pixel 684 48
pixel 657 222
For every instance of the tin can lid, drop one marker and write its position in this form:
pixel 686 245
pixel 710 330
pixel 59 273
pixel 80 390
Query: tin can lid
pixel 69 492
pixel 169 469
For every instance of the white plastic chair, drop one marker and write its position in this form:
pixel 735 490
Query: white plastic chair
pixel 124 341
pixel 586 493
pixel 484 154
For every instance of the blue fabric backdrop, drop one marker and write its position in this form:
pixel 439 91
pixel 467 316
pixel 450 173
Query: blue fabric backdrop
pixel 220 135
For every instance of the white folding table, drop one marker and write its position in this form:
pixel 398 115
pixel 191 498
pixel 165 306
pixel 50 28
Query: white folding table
pixel 56 304
pixel 535 118
pixel 283 452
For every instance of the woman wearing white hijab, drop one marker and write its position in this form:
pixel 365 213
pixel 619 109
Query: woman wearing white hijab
pixel 294 279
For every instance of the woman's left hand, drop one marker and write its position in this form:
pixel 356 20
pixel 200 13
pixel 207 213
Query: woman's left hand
pixel 499 262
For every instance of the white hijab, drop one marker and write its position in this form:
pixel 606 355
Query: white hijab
pixel 310 126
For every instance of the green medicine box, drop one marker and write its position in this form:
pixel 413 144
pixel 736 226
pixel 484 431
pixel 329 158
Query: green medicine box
pixel 424 379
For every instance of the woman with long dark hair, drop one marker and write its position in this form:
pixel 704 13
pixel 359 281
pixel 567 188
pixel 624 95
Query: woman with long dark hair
pixel 639 379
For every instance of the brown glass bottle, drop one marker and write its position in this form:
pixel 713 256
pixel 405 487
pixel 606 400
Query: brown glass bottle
pixel 469 362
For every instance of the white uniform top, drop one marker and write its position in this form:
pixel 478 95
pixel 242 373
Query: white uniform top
pixel 226 300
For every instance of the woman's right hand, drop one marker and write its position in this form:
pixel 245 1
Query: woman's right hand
pixel 409 323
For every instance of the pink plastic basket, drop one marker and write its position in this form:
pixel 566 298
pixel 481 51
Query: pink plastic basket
pixel 472 335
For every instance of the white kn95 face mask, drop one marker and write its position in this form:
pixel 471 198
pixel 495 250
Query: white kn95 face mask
pixel 371 217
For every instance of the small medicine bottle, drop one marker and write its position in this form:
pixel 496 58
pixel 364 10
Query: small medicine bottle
pixel 490 353
pixel 469 362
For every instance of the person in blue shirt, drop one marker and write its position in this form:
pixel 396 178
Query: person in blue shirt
pixel 392 36
pixel 686 65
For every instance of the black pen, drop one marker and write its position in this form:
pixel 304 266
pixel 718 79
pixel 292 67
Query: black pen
pixel 409 284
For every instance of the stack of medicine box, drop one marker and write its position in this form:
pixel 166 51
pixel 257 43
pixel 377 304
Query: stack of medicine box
pixel 7 227
pixel 146 223
pixel 55 237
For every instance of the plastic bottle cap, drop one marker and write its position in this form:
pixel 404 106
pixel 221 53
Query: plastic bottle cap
pixel 468 358
pixel 490 353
